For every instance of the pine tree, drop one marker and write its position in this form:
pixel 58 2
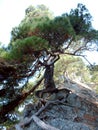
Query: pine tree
pixel 36 45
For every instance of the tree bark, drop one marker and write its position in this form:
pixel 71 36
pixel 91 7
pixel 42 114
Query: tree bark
pixel 48 77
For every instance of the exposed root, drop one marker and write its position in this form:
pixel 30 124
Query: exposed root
pixel 39 122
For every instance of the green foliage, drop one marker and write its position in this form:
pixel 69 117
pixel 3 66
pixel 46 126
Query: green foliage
pixel 41 11
pixel 27 46
pixel 57 31
pixel 94 76
pixel 94 73
pixel 20 32
pixel 75 68
pixel 73 30
pixel 33 17
pixel 2 52
pixel 80 19
pixel 38 37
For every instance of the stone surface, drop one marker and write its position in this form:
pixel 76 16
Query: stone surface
pixel 78 110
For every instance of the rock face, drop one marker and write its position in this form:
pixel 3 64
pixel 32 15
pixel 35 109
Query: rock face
pixel 73 107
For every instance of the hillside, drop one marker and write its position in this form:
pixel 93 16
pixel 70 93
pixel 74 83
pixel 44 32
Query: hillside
pixel 73 107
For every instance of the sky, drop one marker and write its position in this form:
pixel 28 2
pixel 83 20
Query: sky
pixel 13 11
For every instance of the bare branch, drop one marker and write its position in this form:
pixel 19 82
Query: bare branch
pixel 68 44
pixel 79 49
pixel 87 60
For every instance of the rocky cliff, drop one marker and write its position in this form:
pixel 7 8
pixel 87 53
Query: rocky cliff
pixel 73 107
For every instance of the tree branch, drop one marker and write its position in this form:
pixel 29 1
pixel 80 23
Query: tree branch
pixel 19 99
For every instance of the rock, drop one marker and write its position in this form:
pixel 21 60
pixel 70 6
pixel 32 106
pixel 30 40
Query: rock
pixel 75 110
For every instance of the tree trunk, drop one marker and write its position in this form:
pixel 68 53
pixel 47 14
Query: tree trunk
pixel 48 77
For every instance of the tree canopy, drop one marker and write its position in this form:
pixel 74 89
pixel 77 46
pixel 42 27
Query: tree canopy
pixel 36 44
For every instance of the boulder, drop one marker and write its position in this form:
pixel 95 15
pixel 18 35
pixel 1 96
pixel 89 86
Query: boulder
pixel 73 107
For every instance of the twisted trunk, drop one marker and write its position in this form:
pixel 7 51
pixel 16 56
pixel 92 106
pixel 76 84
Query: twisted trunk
pixel 48 77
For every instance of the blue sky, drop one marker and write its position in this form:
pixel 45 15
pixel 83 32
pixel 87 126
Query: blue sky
pixel 13 11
